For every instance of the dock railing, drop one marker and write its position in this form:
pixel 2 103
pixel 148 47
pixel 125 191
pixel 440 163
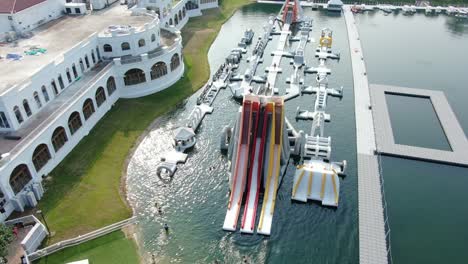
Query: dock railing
pixel 79 239
pixel 382 190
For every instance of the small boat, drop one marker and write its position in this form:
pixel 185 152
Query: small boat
pixel 356 9
pixel 438 10
pixel 452 10
pixel 386 9
pixel 462 15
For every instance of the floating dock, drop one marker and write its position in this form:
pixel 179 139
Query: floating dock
pixel 452 129
pixel 372 237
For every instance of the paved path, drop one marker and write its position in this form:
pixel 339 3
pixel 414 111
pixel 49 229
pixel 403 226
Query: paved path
pixel 372 242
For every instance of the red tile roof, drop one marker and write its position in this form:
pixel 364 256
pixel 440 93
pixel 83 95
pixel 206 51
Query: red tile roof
pixel 14 6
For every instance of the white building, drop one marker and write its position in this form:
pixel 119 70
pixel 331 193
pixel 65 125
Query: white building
pixel 50 101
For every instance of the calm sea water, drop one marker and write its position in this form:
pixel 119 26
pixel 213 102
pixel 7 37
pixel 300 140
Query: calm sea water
pixel 426 202
pixel 195 201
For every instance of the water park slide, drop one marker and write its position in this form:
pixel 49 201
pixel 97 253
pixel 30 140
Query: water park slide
pixel 255 173
pixel 274 162
pixel 240 169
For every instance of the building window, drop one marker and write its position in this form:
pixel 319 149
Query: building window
pixel 107 48
pixel 68 10
pixel 19 177
pixel 60 81
pixel 54 87
pixel 18 114
pixel 41 156
pixel 158 70
pixel 125 46
pixel 69 76
pixel 153 38
pixel 3 121
pixel 93 58
pixel 175 61
pixel 170 22
pixel 75 73
pixel 27 109
pixel 180 15
pixel 37 99
pixel 82 66
pixel 111 87
pixel 45 93
pixel 74 122
pixel 59 138
pixel 98 54
pixel 176 20
pixel 100 96
pixel 183 12
pixel 141 43
pixel 86 61
pixel 88 108
pixel 134 76
pixel 77 11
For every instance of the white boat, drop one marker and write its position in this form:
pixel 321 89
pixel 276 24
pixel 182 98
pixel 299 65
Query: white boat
pixel 462 15
pixel 387 9
pixel 438 10
pixel 452 10
pixel 334 5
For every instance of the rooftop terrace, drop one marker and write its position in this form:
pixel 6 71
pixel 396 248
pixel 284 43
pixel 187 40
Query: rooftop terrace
pixel 57 37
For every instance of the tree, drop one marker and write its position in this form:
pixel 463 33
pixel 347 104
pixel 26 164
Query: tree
pixel 6 236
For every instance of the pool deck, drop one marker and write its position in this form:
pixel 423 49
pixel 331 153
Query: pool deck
pixel 372 237
pixel 453 131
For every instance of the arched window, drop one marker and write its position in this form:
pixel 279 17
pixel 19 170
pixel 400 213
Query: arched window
pixel 183 11
pixel 60 81
pixel 134 76
pixel 107 48
pixel 41 156
pixel 141 43
pixel 26 107
pixel 100 96
pixel 98 54
pixel 59 138
pixel 82 66
pixel 86 61
pixel 37 99
pixel 74 122
pixel 158 70
pixel 153 37
pixel 176 20
pixel 54 87
pixel 69 76
pixel 45 93
pixel 170 22
pixel 75 73
pixel 18 114
pixel 175 61
pixel 125 46
pixel 19 177
pixel 93 58
pixel 88 108
pixel 180 15
pixel 111 87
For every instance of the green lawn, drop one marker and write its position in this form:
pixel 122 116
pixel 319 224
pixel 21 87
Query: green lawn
pixel 113 248
pixel 84 191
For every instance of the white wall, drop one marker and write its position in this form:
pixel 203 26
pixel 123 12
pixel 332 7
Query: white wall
pixel 36 15
pixel 5 26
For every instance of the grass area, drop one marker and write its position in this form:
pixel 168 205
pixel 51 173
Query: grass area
pixel 113 248
pixel 83 193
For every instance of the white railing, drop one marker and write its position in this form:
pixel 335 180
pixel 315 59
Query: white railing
pixel 80 239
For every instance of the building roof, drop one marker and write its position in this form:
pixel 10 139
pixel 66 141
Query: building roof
pixel 14 6
pixel 184 133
